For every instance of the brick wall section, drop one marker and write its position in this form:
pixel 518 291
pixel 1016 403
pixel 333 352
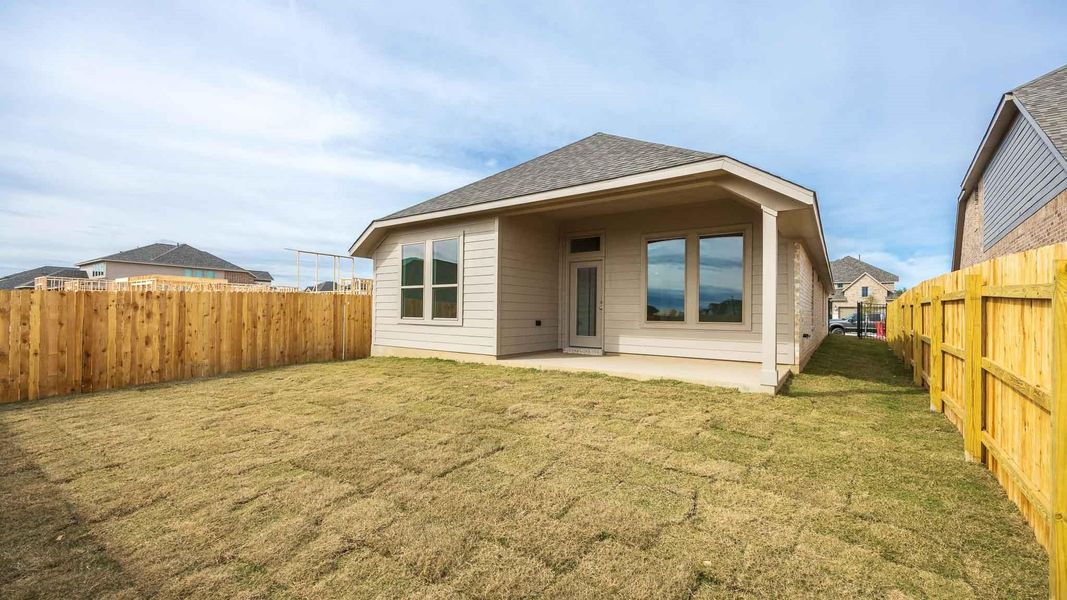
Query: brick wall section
pixel 1047 226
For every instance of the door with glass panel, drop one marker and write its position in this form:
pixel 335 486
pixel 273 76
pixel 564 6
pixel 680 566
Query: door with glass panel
pixel 586 304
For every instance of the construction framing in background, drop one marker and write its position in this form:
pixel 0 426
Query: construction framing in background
pixel 338 282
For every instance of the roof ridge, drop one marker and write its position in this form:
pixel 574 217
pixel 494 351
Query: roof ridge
pixel 596 157
pixel 168 251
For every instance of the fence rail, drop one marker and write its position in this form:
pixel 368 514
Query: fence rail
pixel 62 342
pixel 990 343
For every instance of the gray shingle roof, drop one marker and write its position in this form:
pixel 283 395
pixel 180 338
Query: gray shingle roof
pixel 261 275
pixel 1045 98
pixel 598 157
pixel 177 255
pixel 24 279
pixel 847 269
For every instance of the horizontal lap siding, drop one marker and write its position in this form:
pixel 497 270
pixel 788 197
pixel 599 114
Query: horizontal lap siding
pixel 624 305
pixel 1023 176
pixel 529 285
pixel 477 334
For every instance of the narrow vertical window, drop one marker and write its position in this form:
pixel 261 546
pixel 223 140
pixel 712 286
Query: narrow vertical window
pixel 446 279
pixel 412 269
pixel 865 291
pixel 665 280
pixel 721 278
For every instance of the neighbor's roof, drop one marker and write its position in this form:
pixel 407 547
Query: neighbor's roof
pixel 25 279
pixel 261 275
pixel 1045 98
pixel 598 157
pixel 848 269
pixel 171 255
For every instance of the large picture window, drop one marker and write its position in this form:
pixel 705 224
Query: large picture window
pixel 722 278
pixel 412 276
pixel 696 279
pixel 446 279
pixel 665 282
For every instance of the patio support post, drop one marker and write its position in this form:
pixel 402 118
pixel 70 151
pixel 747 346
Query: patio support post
pixel 769 340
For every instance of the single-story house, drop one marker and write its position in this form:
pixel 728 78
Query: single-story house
pixel 857 281
pixel 24 280
pixel 181 260
pixel 653 255
pixel 1014 194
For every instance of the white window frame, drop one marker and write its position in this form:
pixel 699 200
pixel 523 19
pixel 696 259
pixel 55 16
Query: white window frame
pixel 692 278
pixel 579 256
pixel 402 287
pixel 458 284
pixel 428 286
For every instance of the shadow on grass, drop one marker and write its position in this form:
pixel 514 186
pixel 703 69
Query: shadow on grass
pixel 43 543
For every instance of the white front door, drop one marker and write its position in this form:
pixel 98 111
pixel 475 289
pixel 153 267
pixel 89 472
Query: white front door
pixel 586 325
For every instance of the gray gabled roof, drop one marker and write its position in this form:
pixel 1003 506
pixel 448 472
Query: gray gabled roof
pixel 1045 98
pixel 598 157
pixel 261 275
pixel 847 269
pixel 173 255
pixel 24 279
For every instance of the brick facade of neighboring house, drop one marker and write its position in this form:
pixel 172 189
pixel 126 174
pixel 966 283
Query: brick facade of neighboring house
pixel 1047 226
pixel 1014 195
pixel 851 276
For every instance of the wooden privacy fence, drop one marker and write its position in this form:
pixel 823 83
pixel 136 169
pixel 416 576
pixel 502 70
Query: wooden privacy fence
pixel 59 342
pixel 990 342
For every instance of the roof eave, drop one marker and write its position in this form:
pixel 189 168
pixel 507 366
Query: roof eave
pixel 368 240
pixel 998 126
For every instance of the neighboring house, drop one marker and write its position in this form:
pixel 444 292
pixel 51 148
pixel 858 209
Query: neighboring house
pixel 608 245
pixel 261 277
pixel 24 280
pixel 325 286
pixel 1014 196
pixel 169 259
pixel 856 281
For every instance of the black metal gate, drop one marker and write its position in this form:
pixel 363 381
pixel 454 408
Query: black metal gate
pixel 870 320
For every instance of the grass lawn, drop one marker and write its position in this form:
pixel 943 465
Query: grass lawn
pixel 429 479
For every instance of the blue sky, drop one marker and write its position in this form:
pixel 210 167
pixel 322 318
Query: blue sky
pixel 244 128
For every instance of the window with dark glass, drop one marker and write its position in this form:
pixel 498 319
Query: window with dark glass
pixel 722 278
pixel 585 244
pixel 412 270
pixel 445 279
pixel 665 280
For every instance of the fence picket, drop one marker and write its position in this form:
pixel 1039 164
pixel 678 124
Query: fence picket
pixel 60 342
pixel 1003 365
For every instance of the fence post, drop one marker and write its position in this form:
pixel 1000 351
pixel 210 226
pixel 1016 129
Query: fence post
pixel 1058 512
pixel 917 340
pixel 972 430
pixel 936 335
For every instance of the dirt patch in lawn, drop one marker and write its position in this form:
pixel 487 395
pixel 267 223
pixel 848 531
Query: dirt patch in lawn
pixel 422 478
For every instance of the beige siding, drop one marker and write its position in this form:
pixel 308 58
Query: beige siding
pixel 625 329
pixel 529 284
pixel 811 294
pixel 477 332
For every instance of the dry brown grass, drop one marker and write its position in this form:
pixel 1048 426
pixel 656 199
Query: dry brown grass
pixel 429 479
